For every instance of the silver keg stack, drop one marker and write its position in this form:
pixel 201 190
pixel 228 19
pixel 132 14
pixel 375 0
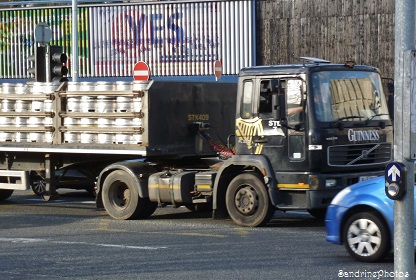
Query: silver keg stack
pixel 26 112
pixel 103 112
pixel 84 112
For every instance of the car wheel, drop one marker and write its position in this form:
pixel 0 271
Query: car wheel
pixel 248 202
pixel 366 237
pixel 37 183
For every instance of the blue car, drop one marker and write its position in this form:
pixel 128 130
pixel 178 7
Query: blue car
pixel 361 217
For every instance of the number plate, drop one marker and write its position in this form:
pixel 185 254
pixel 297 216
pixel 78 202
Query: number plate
pixel 365 178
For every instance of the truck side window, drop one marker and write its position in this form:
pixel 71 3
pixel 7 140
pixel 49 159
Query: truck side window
pixel 296 147
pixel 265 102
pixel 247 100
pixel 294 100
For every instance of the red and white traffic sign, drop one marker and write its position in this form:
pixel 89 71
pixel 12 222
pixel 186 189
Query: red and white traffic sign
pixel 217 69
pixel 141 71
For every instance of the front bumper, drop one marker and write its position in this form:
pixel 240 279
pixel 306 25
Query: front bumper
pixel 333 223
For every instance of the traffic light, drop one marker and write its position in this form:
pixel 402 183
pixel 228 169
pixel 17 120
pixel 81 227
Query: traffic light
pixel 57 59
pixel 38 60
pixel 396 184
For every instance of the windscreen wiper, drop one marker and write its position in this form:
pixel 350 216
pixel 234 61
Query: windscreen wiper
pixel 376 115
pixel 334 123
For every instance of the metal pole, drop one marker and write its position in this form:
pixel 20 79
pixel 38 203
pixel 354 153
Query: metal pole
pixel 50 191
pixel 48 63
pixel 403 209
pixel 74 60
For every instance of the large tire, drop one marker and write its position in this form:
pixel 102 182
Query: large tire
pixel 5 194
pixel 366 237
pixel 248 202
pixel 121 197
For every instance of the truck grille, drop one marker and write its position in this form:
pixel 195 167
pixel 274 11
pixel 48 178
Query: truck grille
pixel 359 154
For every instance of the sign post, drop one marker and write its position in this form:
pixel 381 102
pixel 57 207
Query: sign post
pixel 43 35
pixel 405 107
pixel 74 56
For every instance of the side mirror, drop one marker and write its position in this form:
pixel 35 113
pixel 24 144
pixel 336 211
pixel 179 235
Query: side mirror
pixel 390 106
pixel 388 84
pixel 279 108
pixel 390 87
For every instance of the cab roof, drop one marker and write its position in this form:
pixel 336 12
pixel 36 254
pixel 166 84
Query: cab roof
pixel 294 69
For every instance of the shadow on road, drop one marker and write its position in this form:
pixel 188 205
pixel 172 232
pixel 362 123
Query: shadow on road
pixel 280 219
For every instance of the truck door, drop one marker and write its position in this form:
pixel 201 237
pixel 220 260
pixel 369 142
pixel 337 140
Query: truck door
pixel 285 135
pixel 272 138
pixel 282 140
pixel 295 117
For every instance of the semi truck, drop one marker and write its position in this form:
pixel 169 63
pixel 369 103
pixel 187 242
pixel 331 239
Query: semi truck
pixel 283 137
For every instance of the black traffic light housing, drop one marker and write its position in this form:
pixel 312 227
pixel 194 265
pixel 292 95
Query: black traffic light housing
pixel 38 60
pixel 57 68
pixel 396 184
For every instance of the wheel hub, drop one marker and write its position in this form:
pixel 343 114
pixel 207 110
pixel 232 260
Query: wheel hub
pixel 122 197
pixel 364 236
pixel 246 200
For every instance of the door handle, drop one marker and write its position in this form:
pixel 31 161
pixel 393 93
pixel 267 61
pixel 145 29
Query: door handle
pixel 260 140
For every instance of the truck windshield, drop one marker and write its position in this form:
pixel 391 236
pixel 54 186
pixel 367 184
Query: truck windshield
pixel 348 96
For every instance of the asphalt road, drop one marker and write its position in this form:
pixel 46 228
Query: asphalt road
pixel 70 239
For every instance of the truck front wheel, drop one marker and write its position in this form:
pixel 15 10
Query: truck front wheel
pixel 248 202
pixel 121 197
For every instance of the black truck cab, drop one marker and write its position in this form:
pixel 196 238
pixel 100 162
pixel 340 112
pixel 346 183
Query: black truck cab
pixel 323 127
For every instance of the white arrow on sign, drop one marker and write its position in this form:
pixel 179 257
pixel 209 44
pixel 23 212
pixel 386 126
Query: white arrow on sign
pixel 393 172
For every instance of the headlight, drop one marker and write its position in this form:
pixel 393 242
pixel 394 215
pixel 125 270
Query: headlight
pixel 340 196
pixel 313 182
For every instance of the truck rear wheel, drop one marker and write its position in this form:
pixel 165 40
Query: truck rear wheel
pixel 248 202
pixel 121 197
pixel 5 194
